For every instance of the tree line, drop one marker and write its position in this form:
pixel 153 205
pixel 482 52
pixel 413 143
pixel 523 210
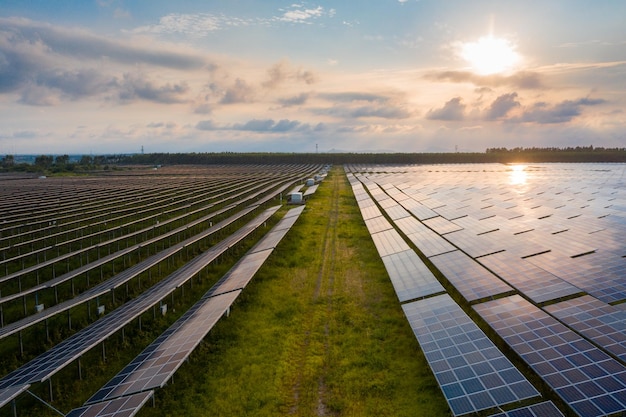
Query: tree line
pixel 62 163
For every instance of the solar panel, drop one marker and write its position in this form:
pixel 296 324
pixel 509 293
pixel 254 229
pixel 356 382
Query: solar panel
pixel 388 242
pixel 586 378
pixel 418 209
pixel 472 373
pixel 544 409
pixel 377 224
pixel 410 277
pixel 471 279
pixel 153 367
pixel 598 274
pixel 427 241
pixel 120 407
pixel 53 360
pixel 602 323
pixel 534 282
pixel 442 225
pixel 9 393
pixel 474 245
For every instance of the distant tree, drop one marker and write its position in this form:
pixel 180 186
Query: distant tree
pixel 86 160
pixel 62 160
pixel 8 161
pixel 44 161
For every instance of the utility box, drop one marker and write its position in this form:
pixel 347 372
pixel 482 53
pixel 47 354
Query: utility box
pixel 310 182
pixel 163 309
pixel 295 198
pixel 38 308
pixel 100 310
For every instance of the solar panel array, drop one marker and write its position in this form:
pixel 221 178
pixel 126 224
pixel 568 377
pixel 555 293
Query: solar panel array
pixel 544 409
pixel 473 374
pixel 119 407
pixel 410 277
pixel 544 236
pixel 472 280
pixel 156 365
pixel 586 378
pixel 602 323
pixel 153 367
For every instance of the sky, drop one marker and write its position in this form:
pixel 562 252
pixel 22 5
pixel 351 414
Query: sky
pixel 119 76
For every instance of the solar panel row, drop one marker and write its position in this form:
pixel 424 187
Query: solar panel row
pixel 159 361
pixel 53 360
pixel 589 380
pixel 472 373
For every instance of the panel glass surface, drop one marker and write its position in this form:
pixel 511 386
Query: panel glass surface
pixel 410 277
pixel 120 407
pixel 472 373
pixel 471 279
pixel 591 382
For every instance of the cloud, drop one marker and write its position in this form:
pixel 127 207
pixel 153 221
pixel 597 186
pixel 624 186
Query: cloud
pixel 299 14
pixel 522 80
pixel 206 125
pixel 282 72
pixel 240 92
pixel 204 108
pixel 80 44
pixel 562 112
pixel 452 110
pixel 294 101
pixel 501 106
pixel 269 125
pixel 352 104
pixel 135 86
pixel 262 126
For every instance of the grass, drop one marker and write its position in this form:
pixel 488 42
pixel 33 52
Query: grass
pixel 318 332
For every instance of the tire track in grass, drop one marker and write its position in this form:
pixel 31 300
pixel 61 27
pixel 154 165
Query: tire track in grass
pixel 320 312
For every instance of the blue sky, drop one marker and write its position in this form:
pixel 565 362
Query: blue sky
pixel 111 76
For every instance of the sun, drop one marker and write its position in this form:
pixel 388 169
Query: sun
pixel 489 55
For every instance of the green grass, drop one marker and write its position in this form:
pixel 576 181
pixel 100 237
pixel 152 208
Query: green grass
pixel 318 332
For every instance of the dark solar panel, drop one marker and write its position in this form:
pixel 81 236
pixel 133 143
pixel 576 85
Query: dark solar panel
pixel 159 361
pixel 471 279
pixel 600 322
pixel 410 277
pixel 589 380
pixel 120 407
pixel 9 393
pixel 472 373
pixel 544 409
pixel 534 282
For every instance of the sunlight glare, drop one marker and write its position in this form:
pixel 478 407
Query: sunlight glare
pixel 490 55
pixel 518 175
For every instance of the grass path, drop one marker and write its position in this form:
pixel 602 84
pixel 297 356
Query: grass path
pixel 318 332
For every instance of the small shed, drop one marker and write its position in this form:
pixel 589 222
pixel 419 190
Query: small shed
pixel 310 182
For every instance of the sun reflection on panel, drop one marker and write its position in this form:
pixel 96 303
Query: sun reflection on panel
pixel 518 175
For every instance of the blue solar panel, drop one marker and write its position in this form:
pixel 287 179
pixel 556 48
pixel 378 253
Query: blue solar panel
pixel 120 407
pixel 603 323
pixel 585 377
pixel 472 373
pixel 544 409
pixel 471 279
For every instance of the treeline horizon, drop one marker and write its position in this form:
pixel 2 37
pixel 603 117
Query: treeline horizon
pixel 87 163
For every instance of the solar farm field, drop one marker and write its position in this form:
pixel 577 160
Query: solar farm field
pixel 533 256
pixel 90 260
pixel 397 290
